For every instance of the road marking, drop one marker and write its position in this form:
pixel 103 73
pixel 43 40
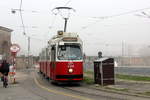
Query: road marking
pixel 61 93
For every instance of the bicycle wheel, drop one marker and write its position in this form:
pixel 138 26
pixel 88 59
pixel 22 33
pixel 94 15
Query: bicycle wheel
pixel 5 84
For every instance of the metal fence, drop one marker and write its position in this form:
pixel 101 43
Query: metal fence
pixel 121 61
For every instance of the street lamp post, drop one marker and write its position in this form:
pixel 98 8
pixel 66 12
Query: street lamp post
pixel 24 33
pixel 28 52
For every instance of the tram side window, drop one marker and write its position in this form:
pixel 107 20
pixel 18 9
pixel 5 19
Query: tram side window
pixel 44 55
pixel 47 54
pixel 53 50
pixel 40 56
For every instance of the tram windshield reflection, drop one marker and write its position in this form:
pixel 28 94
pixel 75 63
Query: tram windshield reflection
pixel 69 52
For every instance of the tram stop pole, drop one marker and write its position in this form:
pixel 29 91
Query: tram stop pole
pixel 15 48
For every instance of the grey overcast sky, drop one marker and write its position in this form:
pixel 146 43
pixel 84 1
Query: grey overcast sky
pixel 103 25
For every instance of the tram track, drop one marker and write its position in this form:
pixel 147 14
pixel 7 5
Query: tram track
pixel 107 91
pixel 107 94
pixel 91 94
pixel 119 94
pixel 85 90
pixel 64 87
pixel 74 89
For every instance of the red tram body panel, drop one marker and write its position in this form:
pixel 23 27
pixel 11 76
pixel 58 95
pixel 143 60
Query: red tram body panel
pixel 62 71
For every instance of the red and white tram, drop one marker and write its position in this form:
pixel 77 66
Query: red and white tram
pixel 62 60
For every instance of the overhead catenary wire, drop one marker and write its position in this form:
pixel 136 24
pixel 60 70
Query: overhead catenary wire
pixel 55 15
pixel 67 2
pixel 112 16
pixel 53 21
pixel 125 13
pixel 38 39
pixel 22 20
pixel 145 14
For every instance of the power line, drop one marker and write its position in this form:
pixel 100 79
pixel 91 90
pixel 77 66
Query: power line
pixel 67 2
pixel 53 21
pixel 120 14
pixel 129 12
pixel 24 10
pixel 112 16
pixel 41 40
pixel 32 37
pixel 144 14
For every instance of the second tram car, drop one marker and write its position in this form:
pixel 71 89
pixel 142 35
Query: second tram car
pixel 62 60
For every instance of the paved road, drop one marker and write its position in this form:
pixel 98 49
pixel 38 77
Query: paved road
pixel 18 91
pixel 83 92
pixel 32 86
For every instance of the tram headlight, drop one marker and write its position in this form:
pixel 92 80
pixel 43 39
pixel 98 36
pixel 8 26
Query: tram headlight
pixel 70 70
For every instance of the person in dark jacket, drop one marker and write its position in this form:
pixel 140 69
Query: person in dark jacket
pixel 4 68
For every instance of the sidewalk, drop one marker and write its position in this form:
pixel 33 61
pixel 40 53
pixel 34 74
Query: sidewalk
pixel 139 88
pixel 20 90
pixel 18 77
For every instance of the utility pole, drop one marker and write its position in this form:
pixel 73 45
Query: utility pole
pixel 122 61
pixel 28 52
pixel 122 48
pixel 24 33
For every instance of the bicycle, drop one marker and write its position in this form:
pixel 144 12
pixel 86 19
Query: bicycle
pixel 5 81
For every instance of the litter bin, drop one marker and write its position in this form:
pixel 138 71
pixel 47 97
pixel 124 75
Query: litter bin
pixel 104 71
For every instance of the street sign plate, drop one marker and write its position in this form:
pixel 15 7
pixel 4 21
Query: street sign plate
pixel 15 48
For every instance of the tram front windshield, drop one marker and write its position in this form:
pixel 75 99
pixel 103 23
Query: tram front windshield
pixel 69 52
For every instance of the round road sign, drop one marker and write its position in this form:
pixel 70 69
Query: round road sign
pixel 15 48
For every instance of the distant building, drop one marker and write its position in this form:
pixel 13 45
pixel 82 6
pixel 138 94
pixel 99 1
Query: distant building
pixel 5 41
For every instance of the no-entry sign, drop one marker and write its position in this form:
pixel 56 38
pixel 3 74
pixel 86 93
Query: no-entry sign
pixel 15 48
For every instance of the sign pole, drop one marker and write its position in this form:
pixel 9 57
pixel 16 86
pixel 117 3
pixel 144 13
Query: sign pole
pixel 15 48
